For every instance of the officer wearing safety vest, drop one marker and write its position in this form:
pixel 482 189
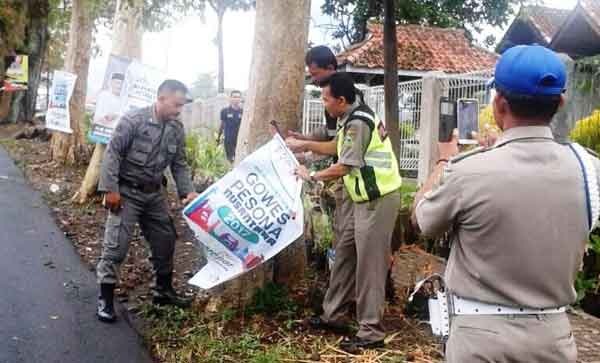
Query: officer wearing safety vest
pixel 519 214
pixel 369 169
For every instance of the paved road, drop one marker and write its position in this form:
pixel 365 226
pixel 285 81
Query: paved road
pixel 47 296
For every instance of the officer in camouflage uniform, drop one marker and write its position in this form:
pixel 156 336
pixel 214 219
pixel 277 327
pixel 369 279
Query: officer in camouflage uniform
pixel 145 142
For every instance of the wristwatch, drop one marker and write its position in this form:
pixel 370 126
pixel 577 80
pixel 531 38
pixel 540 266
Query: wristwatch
pixel 312 175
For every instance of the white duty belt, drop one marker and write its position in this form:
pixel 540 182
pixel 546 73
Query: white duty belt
pixel 462 306
pixel 590 179
pixel 444 305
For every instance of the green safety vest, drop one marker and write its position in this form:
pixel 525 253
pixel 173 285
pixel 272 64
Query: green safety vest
pixel 380 175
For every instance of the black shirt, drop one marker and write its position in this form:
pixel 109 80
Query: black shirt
pixel 231 119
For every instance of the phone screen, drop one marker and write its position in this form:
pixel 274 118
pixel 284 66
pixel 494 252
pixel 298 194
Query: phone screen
pixel 467 120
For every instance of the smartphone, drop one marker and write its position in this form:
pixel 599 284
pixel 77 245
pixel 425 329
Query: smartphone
pixel 447 119
pixel 467 116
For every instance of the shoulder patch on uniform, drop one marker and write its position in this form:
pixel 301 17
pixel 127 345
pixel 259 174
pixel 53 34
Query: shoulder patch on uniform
pixel 466 154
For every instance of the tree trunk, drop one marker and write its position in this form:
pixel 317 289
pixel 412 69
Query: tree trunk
pixel 280 40
pixel 390 76
pixel 126 42
pixel 220 49
pixel 5 98
pixel 2 69
pixel 68 148
pixel 362 28
pixel 36 42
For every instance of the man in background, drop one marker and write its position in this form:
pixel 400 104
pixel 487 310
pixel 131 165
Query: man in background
pixel 231 118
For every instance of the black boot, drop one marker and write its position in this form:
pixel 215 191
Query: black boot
pixel 164 294
pixel 106 308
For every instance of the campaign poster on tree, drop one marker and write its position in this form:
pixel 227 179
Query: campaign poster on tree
pixel 249 215
pixel 57 116
pixel 127 85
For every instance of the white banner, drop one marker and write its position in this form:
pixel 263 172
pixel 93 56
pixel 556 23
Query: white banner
pixel 57 116
pixel 249 215
pixel 142 83
pixel 128 85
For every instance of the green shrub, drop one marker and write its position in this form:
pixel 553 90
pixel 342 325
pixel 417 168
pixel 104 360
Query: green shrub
pixel 323 230
pixel 587 132
pixel 205 156
pixel 270 300
pixel 407 194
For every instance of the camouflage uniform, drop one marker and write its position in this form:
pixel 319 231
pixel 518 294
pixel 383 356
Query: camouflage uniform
pixel 140 150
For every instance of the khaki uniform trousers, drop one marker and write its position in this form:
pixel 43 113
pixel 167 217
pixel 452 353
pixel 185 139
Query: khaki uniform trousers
pixel 543 338
pixel 362 256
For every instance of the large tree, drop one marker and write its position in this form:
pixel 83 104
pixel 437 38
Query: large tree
pixel 275 93
pixel 29 36
pixel 352 15
pixel 127 42
pixel 13 19
pixel 68 148
pixel 132 18
pixel 390 76
pixel 220 7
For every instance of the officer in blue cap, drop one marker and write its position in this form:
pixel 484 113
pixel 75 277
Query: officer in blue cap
pixel 519 216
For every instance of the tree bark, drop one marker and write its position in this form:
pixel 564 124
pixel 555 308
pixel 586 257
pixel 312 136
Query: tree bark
pixel 280 40
pixel 36 43
pixel 69 148
pixel 2 69
pixel 390 76
pixel 221 81
pixel 126 42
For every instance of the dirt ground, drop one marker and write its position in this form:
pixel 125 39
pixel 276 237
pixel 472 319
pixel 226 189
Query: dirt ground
pixel 84 226
pixel 409 339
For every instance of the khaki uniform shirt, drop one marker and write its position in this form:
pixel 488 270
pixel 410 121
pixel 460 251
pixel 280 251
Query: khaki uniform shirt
pixel 356 140
pixel 518 220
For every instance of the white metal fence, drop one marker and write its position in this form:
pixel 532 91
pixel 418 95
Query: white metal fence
pixel 454 87
pixel 313 115
pixel 409 118
pixel 409 104
pixel 468 85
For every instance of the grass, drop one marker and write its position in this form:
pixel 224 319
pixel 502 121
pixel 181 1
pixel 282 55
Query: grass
pixel 266 331
pixel 182 336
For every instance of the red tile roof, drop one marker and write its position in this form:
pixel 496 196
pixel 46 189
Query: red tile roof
pixel 421 48
pixel 546 20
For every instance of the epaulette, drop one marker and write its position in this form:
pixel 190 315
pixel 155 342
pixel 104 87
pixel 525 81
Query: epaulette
pixel 466 154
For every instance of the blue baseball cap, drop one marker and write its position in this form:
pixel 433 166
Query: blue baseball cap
pixel 530 70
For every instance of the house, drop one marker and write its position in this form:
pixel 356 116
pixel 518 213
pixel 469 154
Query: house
pixel 574 32
pixel 533 25
pixel 421 49
pixel 579 36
